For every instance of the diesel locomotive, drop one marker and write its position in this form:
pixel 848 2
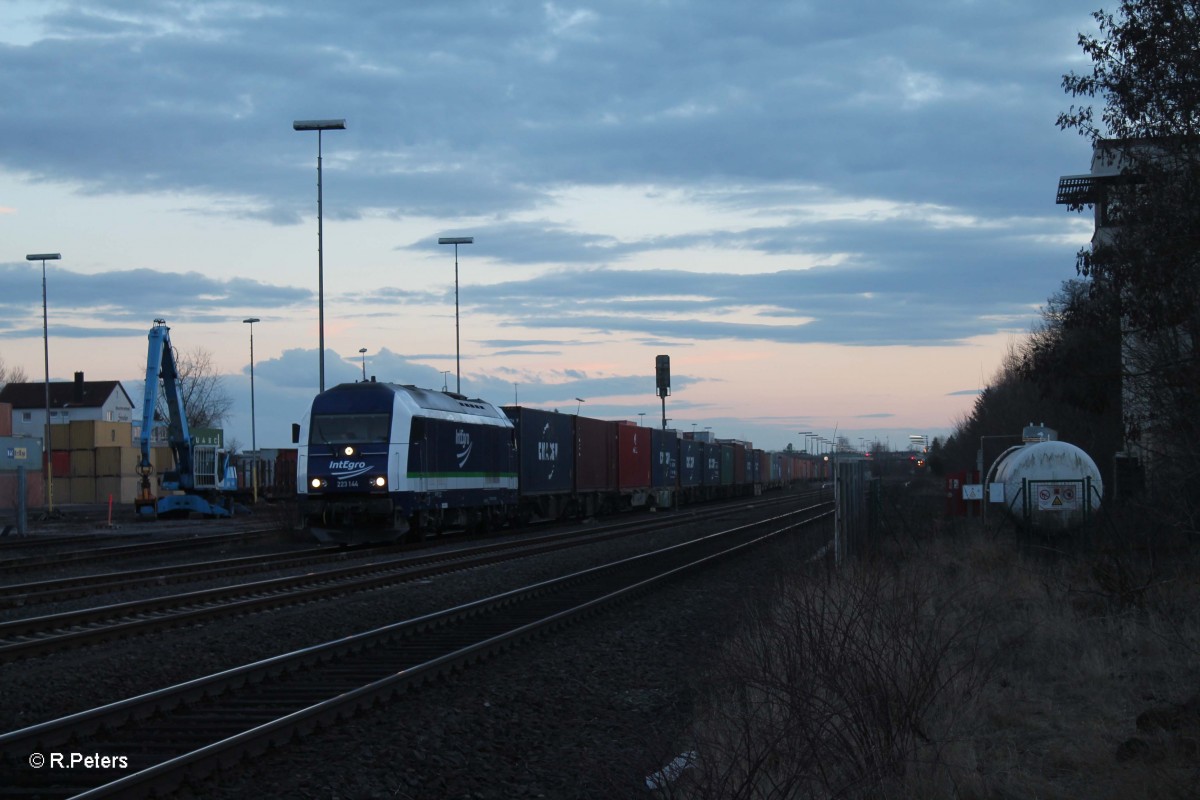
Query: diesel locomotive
pixel 377 461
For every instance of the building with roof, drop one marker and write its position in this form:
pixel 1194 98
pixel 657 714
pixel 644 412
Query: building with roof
pixel 78 400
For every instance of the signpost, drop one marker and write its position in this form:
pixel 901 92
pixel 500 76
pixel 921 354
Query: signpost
pixel 1058 497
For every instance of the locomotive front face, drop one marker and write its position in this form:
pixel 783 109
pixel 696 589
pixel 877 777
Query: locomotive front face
pixel 348 445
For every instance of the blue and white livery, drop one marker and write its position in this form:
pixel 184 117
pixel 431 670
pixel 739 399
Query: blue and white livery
pixel 378 460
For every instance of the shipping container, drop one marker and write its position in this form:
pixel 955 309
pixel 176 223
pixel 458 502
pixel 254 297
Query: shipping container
pixel 117 461
pixel 20 451
pixel 163 459
pixel 60 437
pixel 34 490
pixel 710 455
pixel 254 466
pixel 739 462
pixel 273 468
pixel 545 450
pixel 595 455
pixel 664 466
pixel 60 460
pixel 6 413
pixel 725 456
pixel 83 463
pixel 78 490
pixel 88 434
pixel 285 472
pixel 691 463
pixel 633 448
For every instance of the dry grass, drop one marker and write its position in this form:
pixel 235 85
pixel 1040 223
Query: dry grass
pixel 964 664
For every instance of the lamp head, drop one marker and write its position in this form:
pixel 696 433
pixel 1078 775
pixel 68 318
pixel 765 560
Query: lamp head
pixel 319 125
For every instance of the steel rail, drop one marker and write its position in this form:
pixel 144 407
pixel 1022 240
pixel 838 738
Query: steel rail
pixel 22 594
pixel 31 592
pixel 183 542
pixel 40 635
pixel 290 694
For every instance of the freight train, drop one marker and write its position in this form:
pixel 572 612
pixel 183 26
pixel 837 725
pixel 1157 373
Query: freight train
pixel 378 461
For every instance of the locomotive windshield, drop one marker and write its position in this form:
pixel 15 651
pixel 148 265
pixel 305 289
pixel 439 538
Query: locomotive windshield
pixel 349 428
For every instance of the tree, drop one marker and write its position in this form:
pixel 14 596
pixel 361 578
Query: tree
pixel 206 403
pixel 11 374
pixel 1146 68
pixel 1074 358
pixel 1065 373
pixel 1144 264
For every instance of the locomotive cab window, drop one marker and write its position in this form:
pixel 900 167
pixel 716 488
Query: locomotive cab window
pixel 349 428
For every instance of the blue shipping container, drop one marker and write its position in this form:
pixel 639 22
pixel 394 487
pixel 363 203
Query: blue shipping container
pixel 664 455
pixel 691 464
pixel 545 450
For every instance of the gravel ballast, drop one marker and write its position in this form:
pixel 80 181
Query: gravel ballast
pixel 587 713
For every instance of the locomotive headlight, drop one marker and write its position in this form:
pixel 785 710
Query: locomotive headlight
pixel 316 483
pixel 381 481
pixel 348 450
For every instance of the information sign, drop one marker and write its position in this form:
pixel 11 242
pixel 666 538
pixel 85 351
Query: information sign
pixel 1058 497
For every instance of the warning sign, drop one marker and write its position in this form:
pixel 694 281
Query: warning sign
pixel 1058 497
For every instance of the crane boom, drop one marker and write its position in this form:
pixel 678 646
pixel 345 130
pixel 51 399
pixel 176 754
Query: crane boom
pixel 161 368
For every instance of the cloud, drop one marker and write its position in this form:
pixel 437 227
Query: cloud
pixel 453 108
pixel 857 173
pixel 125 297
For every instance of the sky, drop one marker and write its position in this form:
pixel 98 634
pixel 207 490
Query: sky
pixel 834 217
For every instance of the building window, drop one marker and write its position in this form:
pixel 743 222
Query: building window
pixel 26 416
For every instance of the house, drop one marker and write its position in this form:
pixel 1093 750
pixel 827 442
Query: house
pixel 78 400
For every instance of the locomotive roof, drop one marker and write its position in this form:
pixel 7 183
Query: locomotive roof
pixel 448 401
pixel 422 398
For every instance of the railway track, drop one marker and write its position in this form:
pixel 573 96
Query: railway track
pixel 25 594
pixel 21 595
pixel 156 741
pixel 34 636
pixel 141 547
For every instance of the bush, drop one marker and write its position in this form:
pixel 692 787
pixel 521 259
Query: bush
pixel 851 685
pixel 960 666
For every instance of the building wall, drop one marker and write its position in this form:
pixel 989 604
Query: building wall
pixel 32 421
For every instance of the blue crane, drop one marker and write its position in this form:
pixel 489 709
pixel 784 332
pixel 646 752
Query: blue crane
pixel 187 487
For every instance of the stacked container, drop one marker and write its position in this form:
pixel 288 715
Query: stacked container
pixel 633 462
pixel 664 465
pixel 595 455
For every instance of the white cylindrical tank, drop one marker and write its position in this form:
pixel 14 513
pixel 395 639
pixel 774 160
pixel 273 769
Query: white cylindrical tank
pixel 1051 485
